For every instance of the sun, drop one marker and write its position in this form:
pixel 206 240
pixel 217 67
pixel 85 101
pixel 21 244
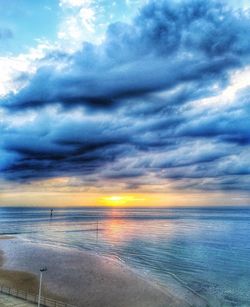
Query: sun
pixel 115 200
pixel 119 200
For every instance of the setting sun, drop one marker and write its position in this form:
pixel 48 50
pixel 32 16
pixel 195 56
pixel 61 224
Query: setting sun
pixel 120 200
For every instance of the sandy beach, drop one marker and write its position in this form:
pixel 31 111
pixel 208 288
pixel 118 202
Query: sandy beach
pixel 79 278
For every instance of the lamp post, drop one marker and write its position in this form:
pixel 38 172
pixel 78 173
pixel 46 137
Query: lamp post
pixel 44 269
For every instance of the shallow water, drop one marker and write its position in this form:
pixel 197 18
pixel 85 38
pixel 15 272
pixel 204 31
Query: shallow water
pixel 207 249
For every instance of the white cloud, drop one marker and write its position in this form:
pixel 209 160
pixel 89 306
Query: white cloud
pixel 14 66
pixel 239 80
pixel 87 18
pixel 75 3
pixel 78 24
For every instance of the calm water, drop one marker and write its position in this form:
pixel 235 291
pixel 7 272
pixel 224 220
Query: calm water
pixel 207 249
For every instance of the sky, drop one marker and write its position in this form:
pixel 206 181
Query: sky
pixel 124 103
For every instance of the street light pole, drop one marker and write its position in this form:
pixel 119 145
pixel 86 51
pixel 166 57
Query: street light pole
pixel 40 285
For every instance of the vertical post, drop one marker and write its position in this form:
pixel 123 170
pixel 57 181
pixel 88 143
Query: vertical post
pixel 40 288
pixel 40 285
pixel 97 228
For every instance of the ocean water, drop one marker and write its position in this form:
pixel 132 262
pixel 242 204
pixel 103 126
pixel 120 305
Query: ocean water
pixel 207 250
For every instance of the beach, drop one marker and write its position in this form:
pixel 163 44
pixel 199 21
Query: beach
pixel 79 278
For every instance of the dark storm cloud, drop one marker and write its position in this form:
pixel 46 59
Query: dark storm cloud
pixel 61 149
pixel 106 88
pixel 166 45
pixel 129 109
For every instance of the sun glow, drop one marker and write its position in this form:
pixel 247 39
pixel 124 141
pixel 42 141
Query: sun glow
pixel 120 200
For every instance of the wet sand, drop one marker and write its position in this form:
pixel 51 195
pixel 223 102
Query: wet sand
pixel 6 237
pixel 80 278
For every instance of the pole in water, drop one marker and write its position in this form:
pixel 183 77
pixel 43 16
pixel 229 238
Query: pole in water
pixel 97 229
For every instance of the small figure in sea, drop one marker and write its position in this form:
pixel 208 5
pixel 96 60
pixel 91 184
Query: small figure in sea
pixel 51 212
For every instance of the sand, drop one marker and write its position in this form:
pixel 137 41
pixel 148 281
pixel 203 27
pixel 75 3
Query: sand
pixel 80 278
pixel 6 237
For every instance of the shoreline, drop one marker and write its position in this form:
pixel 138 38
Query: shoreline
pixel 101 281
pixel 188 295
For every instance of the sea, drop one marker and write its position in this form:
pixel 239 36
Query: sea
pixel 206 250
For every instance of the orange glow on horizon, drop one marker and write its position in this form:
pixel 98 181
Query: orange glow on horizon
pixel 56 193
pixel 120 200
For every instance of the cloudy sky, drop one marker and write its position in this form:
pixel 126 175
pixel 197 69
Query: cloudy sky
pixel 124 102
